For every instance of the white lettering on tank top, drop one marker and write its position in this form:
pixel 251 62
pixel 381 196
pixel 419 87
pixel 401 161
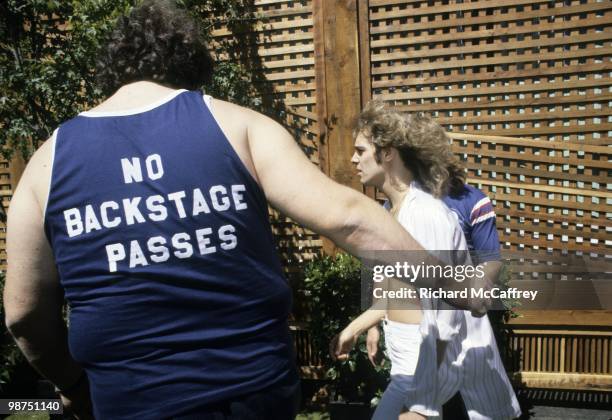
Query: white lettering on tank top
pixel 132 169
pixel 226 234
pixel 137 257
pixel 155 170
pixel 157 210
pixel 104 207
pixel 199 203
pixel 130 208
pixel 203 241
pixel 193 202
pixel 91 221
pixel 74 225
pixel 182 246
pixel 214 196
pixel 177 197
pixel 237 195
pixel 159 252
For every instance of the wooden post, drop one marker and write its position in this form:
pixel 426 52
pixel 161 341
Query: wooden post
pixel 338 85
pixel 363 16
pixel 338 80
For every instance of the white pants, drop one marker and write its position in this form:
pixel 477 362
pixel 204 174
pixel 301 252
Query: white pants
pixel 413 372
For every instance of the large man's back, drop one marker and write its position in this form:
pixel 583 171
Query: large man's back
pixel 156 223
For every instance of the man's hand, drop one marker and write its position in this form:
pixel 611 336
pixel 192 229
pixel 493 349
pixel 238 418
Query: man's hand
pixel 342 344
pixel 78 401
pixel 480 306
pixel 491 269
pixel 372 340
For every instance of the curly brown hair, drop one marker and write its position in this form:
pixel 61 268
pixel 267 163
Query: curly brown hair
pixel 157 42
pixel 421 142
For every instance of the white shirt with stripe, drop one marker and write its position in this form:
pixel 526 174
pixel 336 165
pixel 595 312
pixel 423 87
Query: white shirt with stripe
pixel 472 363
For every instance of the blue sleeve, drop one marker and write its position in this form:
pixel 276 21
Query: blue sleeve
pixel 486 240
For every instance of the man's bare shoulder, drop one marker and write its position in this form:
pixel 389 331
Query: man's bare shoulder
pixel 37 174
pixel 219 105
pixel 237 113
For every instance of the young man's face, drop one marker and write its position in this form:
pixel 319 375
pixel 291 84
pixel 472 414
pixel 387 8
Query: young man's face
pixel 371 173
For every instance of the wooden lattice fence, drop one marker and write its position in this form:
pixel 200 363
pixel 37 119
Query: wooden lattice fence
pixel 523 88
pixel 285 73
pixel 537 69
pixel 10 172
pixel 505 68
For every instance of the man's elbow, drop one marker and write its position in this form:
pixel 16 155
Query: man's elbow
pixel 345 223
pixel 18 320
pixel 14 324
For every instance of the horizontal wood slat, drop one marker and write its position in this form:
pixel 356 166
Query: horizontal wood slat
pixel 499 18
pixel 457 7
pixel 510 57
pixel 540 72
pixel 486 33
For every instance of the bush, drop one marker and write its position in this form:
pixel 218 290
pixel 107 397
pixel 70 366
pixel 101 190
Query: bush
pixel 332 286
pixel 48 50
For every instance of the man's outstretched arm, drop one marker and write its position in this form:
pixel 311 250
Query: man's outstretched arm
pixel 342 344
pixel 296 187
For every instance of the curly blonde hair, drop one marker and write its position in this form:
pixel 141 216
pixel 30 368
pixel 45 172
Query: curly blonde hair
pixel 421 142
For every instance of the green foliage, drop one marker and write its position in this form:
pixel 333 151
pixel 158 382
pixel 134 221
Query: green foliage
pixel 48 50
pixel 332 286
pixel 313 416
pixel 46 69
pixel 28 416
pixel 10 356
pixel 499 319
pixel 47 57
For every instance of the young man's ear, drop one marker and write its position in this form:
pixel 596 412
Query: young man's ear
pixel 387 154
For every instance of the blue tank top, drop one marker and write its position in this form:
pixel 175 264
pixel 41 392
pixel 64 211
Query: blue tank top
pixel 164 250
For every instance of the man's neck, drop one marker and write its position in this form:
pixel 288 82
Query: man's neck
pixel 397 186
pixel 134 95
